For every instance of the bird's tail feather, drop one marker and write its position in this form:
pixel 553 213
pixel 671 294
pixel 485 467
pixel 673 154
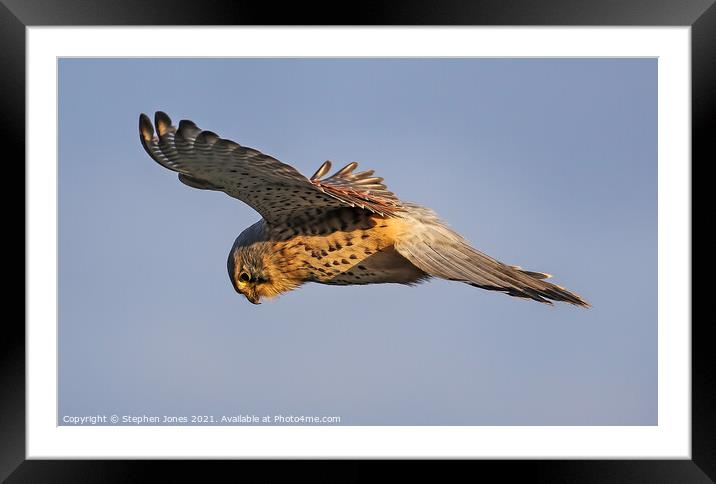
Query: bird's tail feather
pixel 439 251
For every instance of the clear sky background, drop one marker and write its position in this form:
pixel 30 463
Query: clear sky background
pixel 550 164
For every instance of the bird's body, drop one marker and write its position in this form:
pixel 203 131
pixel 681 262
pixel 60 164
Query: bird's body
pixel 349 246
pixel 346 229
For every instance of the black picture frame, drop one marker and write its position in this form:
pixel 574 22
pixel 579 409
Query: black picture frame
pixel 16 15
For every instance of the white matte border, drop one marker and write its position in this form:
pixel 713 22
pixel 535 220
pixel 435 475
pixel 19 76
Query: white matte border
pixel 670 439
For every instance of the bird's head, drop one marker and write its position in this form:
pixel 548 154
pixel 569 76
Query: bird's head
pixel 253 270
pixel 245 278
pixel 248 273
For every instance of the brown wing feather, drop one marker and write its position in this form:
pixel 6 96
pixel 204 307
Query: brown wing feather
pixel 274 189
pixel 358 189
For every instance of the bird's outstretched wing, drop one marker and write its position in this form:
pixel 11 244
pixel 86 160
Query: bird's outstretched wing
pixel 274 189
pixel 439 251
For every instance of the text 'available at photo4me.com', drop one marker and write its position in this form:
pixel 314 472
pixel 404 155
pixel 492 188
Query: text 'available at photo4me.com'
pixel 236 419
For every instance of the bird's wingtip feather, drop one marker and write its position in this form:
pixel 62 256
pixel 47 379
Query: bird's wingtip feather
pixel 162 122
pixel 145 127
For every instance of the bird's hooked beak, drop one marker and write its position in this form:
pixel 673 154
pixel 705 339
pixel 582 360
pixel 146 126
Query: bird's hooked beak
pixel 250 295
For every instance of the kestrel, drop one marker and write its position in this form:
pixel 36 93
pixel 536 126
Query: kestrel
pixel 345 229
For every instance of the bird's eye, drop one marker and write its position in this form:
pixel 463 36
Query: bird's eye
pixel 244 277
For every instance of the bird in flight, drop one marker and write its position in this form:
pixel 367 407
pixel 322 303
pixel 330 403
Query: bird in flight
pixel 344 229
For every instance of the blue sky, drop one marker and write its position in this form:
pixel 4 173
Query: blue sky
pixel 545 163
